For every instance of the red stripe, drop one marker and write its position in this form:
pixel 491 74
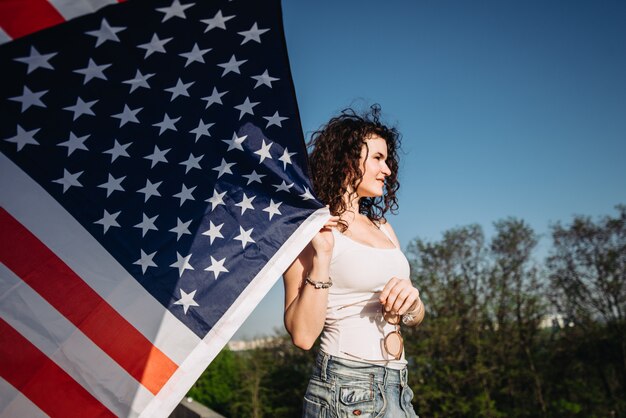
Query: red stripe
pixel 42 381
pixel 49 276
pixel 21 17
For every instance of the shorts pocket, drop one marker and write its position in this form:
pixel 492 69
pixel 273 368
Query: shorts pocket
pixel 316 400
pixel 312 409
pixel 357 399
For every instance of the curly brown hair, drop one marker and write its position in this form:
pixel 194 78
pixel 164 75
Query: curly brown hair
pixel 334 162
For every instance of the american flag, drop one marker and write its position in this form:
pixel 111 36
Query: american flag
pixel 154 186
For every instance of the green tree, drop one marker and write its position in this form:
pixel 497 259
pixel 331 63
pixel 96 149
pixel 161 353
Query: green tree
pixel 218 385
pixel 515 308
pixel 446 353
pixel 588 280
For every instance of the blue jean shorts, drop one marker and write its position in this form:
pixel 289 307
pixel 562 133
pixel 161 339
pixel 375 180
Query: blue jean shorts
pixel 345 388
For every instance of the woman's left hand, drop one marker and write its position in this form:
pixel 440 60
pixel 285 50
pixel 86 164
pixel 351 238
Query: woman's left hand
pixel 399 296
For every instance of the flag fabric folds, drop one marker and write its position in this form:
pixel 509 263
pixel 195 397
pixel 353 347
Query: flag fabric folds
pixel 153 187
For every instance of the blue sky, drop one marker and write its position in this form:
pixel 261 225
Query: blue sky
pixel 507 108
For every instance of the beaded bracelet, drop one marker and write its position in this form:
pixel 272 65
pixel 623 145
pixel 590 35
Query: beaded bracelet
pixel 319 285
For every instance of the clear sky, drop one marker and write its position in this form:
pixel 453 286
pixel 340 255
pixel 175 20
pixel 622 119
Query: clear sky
pixel 507 108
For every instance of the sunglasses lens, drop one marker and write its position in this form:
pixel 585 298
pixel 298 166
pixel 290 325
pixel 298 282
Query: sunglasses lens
pixel 394 344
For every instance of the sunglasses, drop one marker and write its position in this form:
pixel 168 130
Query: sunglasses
pixel 393 342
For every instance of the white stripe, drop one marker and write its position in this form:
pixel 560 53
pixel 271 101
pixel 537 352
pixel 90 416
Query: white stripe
pixel 14 404
pixel 191 369
pixel 31 205
pixel 4 37
pixel 49 331
pixel 70 9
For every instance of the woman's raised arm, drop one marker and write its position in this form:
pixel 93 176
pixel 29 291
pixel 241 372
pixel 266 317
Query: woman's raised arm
pixel 305 304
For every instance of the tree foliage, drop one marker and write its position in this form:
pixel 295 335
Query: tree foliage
pixel 506 334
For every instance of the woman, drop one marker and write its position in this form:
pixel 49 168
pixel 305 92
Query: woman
pixel 351 283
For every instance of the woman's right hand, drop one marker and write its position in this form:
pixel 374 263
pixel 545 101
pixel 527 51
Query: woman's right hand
pixel 323 242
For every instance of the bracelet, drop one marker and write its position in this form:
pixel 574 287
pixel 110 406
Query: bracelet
pixel 409 317
pixel 319 285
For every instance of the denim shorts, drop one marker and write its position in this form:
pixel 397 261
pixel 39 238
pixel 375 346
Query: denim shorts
pixel 346 388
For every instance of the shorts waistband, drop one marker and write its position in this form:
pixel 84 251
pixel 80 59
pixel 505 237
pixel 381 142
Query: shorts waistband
pixel 327 366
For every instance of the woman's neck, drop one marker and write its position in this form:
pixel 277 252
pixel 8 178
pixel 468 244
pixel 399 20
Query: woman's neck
pixel 352 204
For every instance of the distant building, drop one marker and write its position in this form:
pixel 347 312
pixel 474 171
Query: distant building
pixel 251 345
pixel 555 321
pixel 188 408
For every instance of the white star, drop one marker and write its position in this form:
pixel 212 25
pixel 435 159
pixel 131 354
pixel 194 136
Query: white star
pixel 275 119
pixel 118 150
pixel 140 80
pixel 150 190
pixel 147 224
pixel 246 203
pixel 157 156
pixel 236 142
pixel 113 184
pixel 81 108
pixel 167 123
pixel 244 236
pixel 254 34
pixel 180 89
pixel 176 9
pixel 231 66
pixel 23 138
pixel 155 45
pixel 186 299
pixel 286 158
pixel 195 55
pixel 202 129
pixel 74 143
pixel 29 98
pixel 283 187
pixel 214 231
pixel 191 162
pixel 264 152
pixel 181 228
pixel 254 177
pixel 306 195
pixel 36 60
pixel 106 33
pixel 68 180
pixel 272 209
pixel 216 200
pixel 264 79
pixel 185 194
pixel 182 264
pixel 246 107
pixel 145 261
pixel 223 168
pixel 215 97
pixel 108 220
pixel 92 70
pixel 127 115
pixel 217 267
pixel 218 21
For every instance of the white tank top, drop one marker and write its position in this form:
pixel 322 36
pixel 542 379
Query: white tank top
pixel 359 273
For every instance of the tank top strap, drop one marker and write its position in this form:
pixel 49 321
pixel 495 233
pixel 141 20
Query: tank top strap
pixel 384 229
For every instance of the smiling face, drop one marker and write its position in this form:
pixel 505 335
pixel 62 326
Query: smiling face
pixel 374 167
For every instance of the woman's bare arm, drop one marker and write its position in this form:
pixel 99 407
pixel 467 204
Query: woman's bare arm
pixel 305 306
